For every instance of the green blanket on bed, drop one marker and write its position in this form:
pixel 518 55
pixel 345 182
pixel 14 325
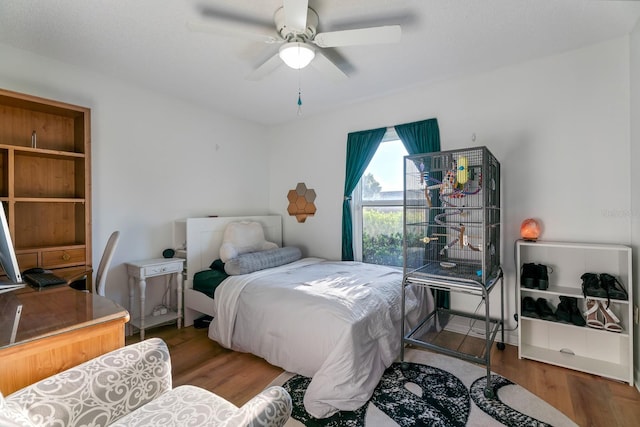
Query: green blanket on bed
pixel 207 281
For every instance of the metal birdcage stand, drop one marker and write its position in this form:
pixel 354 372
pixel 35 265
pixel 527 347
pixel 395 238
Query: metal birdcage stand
pixel 452 241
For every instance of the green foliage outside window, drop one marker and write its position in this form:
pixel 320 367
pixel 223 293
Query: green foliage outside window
pixel 382 237
pixel 382 249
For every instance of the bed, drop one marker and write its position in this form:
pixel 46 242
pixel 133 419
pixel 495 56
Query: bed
pixel 337 322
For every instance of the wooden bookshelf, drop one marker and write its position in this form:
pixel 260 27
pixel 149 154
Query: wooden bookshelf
pixel 45 180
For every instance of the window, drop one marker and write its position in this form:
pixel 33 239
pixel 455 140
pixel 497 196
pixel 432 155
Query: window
pixel 378 205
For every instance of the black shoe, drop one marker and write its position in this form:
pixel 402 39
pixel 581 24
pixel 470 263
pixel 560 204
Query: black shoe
pixel 544 311
pixel 562 312
pixel 591 286
pixel 529 308
pixel 529 277
pixel 535 276
pixel 613 288
pixel 543 277
pixel 568 311
pixel 576 315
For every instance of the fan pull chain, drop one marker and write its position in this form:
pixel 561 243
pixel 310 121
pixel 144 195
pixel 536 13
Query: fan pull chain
pixel 299 95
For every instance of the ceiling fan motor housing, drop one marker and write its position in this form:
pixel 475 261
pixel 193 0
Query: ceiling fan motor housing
pixel 297 34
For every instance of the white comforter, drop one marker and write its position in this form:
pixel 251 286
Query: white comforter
pixel 337 322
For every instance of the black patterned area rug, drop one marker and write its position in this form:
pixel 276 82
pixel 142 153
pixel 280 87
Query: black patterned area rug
pixel 433 390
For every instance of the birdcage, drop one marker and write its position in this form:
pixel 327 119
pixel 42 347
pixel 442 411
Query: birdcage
pixel 452 214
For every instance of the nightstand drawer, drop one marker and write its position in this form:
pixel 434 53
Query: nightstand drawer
pixel 63 257
pixel 153 270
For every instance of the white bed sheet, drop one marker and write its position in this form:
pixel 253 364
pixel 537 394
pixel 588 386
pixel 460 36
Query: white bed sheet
pixel 337 322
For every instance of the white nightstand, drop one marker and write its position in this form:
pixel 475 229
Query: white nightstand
pixel 140 271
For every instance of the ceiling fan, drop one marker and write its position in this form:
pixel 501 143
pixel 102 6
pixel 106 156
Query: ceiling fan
pixel 296 30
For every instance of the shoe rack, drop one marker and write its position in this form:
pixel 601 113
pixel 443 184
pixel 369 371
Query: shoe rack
pixel 583 348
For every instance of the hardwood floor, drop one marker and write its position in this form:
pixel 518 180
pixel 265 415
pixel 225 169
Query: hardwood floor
pixel 197 360
pixel 587 399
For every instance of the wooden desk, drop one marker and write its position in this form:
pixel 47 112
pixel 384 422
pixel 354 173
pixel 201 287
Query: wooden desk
pixel 59 328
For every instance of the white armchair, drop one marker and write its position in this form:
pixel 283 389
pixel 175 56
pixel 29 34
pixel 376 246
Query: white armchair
pixel 132 386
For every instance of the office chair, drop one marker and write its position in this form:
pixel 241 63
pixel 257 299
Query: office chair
pixel 103 267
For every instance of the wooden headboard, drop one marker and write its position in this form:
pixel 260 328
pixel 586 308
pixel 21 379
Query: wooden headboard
pixel 202 238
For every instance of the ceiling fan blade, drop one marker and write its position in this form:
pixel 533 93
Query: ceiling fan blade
pixel 213 13
pixel 266 68
pixel 361 36
pixel 295 15
pixel 328 68
pixel 266 35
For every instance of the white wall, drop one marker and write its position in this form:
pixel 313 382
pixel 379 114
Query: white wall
pixel 558 125
pixel 634 158
pixel 154 159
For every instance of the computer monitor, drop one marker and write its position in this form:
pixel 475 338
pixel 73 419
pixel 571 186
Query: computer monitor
pixel 8 256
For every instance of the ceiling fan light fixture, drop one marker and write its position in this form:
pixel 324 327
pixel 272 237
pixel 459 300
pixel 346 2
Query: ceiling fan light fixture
pixel 297 55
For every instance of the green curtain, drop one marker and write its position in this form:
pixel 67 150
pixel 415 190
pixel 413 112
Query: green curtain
pixel 361 146
pixel 420 137
pixel 424 137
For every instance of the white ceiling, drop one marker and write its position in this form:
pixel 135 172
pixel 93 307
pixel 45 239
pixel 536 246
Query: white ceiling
pixel 146 42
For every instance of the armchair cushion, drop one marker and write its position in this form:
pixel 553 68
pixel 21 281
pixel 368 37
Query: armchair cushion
pixel 184 406
pixel 192 406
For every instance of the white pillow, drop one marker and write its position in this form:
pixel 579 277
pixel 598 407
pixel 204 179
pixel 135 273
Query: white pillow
pixel 241 238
